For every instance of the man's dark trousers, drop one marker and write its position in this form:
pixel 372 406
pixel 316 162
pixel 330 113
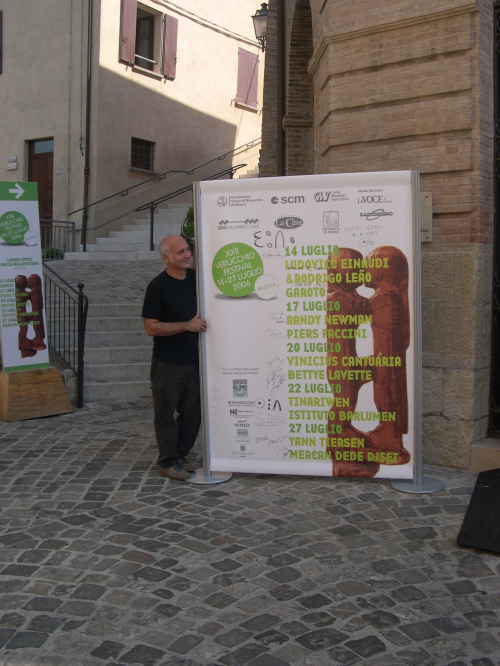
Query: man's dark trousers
pixel 175 387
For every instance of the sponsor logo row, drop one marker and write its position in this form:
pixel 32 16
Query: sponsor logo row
pixel 331 222
pixel 320 197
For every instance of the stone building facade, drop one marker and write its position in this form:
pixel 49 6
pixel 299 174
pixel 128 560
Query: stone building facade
pixel 392 84
pixel 163 106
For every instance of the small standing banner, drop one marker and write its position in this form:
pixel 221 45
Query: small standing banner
pixel 39 392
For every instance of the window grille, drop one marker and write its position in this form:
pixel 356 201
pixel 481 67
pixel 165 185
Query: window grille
pixel 142 154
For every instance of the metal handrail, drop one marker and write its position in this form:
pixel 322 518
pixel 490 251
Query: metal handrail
pixel 59 221
pixel 57 235
pixel 66 317
pixel 171 195
pixel 161 176
pixel 152 205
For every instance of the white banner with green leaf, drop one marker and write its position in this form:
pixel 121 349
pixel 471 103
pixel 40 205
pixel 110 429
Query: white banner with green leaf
pixel 22 327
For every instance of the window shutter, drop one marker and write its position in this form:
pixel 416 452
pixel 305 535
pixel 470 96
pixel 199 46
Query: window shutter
pixel 242 89
pixel 253 75
pixel 128 30
pixel 248 73
pixel 170 47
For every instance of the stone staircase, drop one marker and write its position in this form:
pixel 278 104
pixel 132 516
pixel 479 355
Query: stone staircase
pixel 117 353
pixel 132 242
pixel 117 349
pixel 250 173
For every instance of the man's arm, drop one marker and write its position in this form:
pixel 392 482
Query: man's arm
pixel 157 327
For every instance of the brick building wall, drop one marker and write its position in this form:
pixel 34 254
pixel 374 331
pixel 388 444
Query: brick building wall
pixel 408 85
pixel 269 148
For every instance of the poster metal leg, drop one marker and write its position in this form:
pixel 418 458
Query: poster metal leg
pixel 199 478
pixel 420 484
pixel 427 485
pixel 205 476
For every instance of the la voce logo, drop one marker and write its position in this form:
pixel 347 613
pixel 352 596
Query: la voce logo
pixel 290 199
pixel 290 222
pixel 378 198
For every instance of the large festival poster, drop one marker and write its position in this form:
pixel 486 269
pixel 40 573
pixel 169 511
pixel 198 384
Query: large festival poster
pixel 311 360
pixel 22 321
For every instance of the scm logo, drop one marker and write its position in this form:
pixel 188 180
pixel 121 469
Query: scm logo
pixel 371 199
pixel 291 199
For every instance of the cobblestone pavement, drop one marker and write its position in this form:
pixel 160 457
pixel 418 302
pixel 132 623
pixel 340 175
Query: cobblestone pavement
pixel 104 562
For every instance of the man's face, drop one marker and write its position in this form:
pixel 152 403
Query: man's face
pixel 180 252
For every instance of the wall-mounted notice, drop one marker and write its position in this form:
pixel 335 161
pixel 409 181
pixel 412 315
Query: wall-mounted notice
pixel 310 288
pixel 22 329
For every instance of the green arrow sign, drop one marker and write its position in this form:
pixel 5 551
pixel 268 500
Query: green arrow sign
pixel 18 191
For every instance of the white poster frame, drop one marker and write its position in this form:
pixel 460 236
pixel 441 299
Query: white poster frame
pixel 201 259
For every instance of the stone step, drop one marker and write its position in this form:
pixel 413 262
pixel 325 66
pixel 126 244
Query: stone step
pixel 168 215
pixel 108 255
pixel 159 222
pixel 99 372
pixel 172 209
pixel 135 236
pixel 116 390
pixel 122 246
pixel 133 354
pixel 116 323
pixel 116 338
pixel 158 233
pixel 115 309
pixel 162 218
pixel 179 209
pixel 165 217
pixel 251 173
pixel 144 226
pixel 120 237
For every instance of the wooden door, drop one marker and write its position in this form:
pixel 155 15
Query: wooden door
pixel 41 171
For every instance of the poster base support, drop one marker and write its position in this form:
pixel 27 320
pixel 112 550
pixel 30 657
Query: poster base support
pixel 32 394
pixel 201 479
pixel 428 485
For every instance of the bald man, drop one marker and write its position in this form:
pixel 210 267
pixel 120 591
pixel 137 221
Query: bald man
pixel 171 317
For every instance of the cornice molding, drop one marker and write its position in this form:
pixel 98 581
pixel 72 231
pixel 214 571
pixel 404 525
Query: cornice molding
pixel 297 120
pixel 385 27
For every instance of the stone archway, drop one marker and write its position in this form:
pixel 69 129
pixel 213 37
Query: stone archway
pixel 298 120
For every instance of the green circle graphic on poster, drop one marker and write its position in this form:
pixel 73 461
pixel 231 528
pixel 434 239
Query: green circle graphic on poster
pixel 235 268
pixel 13 226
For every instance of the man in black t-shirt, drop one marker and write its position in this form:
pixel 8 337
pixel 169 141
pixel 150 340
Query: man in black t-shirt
pixel 170 315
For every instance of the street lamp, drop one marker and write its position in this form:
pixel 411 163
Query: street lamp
pixel 260 24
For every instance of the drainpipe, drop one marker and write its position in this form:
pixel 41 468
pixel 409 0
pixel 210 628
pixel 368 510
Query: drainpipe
pixel 86 170
pixel 280 76
pixel 69 104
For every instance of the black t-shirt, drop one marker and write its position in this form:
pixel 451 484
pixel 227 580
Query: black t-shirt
pixel 170 300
